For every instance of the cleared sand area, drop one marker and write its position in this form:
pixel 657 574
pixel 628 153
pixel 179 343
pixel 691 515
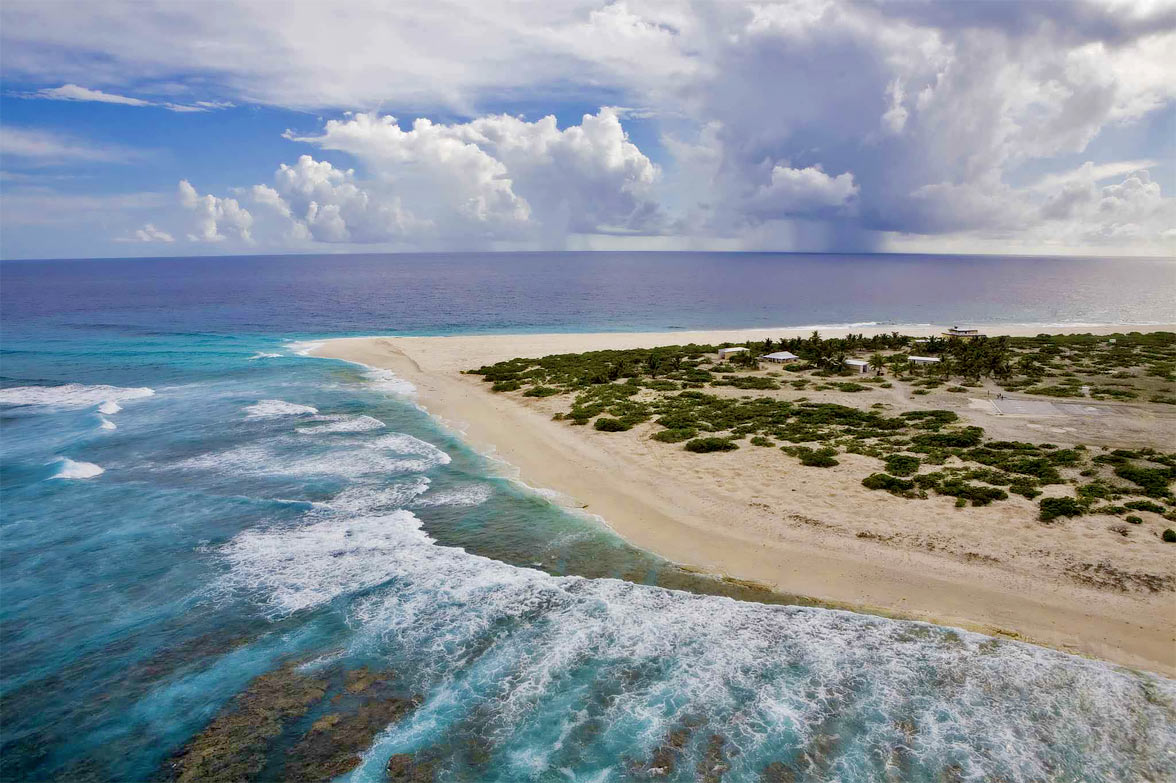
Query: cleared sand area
pixel 756 514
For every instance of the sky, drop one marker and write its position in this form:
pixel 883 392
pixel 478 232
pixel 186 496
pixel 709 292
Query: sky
pixel 224 127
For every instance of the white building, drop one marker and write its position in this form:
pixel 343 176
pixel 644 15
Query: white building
pixel 727 353
pixel 923 359
pixel 781 357
pixel 965 334
pixel 858 365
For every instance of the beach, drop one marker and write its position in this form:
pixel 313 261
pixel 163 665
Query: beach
pixel 750 515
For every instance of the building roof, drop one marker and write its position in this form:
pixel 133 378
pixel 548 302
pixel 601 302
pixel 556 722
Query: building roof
pixel 782 355
pixel 732 348
pixel 922 358
pixel 857 362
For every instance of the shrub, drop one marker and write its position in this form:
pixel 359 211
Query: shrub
pixel 902 464
pixel 962 438
pixel 760 440
pixel 1145 505
pixel 675 435
pixel 1134 519
pixel 540 391
pixel 816 458
pixel 505 386
pixel 605 424
pixel 1169 535
pixel 979 495
pixel 705 445
pixel 894 486
pixel 1153 481
pixel 850 386
pixel 1052 508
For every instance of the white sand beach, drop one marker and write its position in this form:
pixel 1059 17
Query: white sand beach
pixel 756 515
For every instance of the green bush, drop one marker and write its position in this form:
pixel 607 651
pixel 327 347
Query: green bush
pixel 605 424
pixel 705 445
pixel 675 435
pixel 894 486
pixel 816 458
pixel 902 464
pixel 979 495
pixel 1052 508
pixel 1153 481
pixel 540 391
pixel 1169 535
pixel 1134 519
pixel 760 440
pixel 1145 505
pixel 505 386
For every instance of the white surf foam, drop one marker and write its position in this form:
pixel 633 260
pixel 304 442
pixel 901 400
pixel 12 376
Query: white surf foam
pixel 106 424
pixel 357 500
pixel 72 469
pixel 263 355
pixel 264 409
pixel 73 395
pixel 339 424
pixel 304 348
pixel 390 383
pixel 468 495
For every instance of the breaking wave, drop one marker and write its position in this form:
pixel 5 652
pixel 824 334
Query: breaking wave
pixel 73 469
pixel 341 424
pixel 264 409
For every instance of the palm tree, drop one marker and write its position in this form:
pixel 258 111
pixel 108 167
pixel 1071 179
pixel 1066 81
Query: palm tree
pixel 878 362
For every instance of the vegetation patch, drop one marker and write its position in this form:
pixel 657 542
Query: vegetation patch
pixel 706 445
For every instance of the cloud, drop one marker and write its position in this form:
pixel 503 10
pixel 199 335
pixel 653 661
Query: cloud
pixel 495 178
pixel 813 123
pixel 215 219
pixel 148 233
pixel 73 92
pixel 802 192
pixel 38 147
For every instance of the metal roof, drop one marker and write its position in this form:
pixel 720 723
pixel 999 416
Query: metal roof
pixel 782 355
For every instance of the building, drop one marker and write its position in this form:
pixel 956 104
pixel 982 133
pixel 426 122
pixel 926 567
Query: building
pixel 727 353
pixel 858 365
pixel 963 334
pixel 923 359
pixel 782 357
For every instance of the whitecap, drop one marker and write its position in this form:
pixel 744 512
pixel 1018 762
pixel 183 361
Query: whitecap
pixel 338 424
pixel 106 424
pixel 264 355
pixel 73 395
pixel 73 469
pixel 264 409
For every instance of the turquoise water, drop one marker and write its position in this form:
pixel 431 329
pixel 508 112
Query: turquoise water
pixel 189 503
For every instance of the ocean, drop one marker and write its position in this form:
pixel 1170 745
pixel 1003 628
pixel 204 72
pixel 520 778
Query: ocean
pixel 189 502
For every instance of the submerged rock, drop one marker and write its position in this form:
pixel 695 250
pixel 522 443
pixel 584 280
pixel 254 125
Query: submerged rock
pixel 233 747
pixel 335 742
pixel 406 768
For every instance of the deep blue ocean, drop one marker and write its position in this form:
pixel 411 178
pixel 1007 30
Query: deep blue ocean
pixel 187 502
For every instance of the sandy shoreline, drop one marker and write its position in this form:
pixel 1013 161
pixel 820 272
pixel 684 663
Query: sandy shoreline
pixel 799 532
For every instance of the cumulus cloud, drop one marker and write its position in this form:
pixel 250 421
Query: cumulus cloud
pixel 215 219
pixel 494 178
pixel 802 192
pixel 148 233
